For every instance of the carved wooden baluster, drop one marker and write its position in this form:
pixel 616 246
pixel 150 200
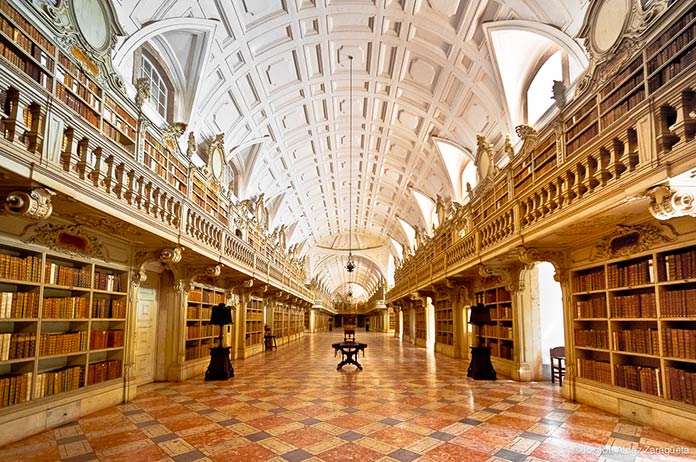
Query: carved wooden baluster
pixel 95 174
pixel 146 196
pixel 107 182
pixel 130 192
pixel 578 187
pixel 33 136
pixel 666 138
pixel 118 187
pixel 632 154
pixel 177 214
pixel 139 198
pixel 684 125
pixel 67 147
pixel 83 153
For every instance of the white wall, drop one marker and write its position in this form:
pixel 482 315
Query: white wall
pixel 551 310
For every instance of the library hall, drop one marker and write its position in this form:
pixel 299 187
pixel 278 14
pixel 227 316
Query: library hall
pixel 348 230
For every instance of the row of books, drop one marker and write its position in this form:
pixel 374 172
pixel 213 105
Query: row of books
pixel 678 303
pixel 15 388
pixel 69 342
pixel 621 76
pixel 107 281
pixel 16 345
pixel 593 307
pixel 672 70
pixel 584 138
pixel 634 84
pixel 680 266
pixel 19 305
pixel 671 32
pixel 103 371
pixel 77 73
pixel 100 339
pixel 54 382
pixel 599 371
pixel 27 66
pixel 77 105
pixel 67 275
pixel 679 343
pixel 489 331
pixel 633 274
pixel 502 312
pixel 585 282
pixel 16 18
pixel 108 308
pixel 196 331
pixel 77 88
pixel 65 307
pixel 506 350
pixel 672 49
pixel 581 124
pixel 680 385
pixel 20 268
pixel 639 378
pixel 592 338
pixel 645 341
pixel 121 113
pixel 640 305
pixel 125 139
pixel 197 351
pixel 195 312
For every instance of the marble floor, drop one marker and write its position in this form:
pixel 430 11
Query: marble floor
pixel 408 404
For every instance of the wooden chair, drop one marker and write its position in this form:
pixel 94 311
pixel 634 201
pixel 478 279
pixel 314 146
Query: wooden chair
pixel 557 364
pixel 348 333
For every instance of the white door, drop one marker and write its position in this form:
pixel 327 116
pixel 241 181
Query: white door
pixel 146 332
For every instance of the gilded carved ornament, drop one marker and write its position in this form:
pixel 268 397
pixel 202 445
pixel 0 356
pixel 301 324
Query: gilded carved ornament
pixel 629 240
pixel 35 204
pixel 670 202
pixel 610 42
pixel 168 257
pixel 508 275
pixel 73 240
pixel 528 256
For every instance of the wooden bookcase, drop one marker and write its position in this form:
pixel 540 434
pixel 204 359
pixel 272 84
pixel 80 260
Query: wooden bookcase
pixel 671 52
pixel 635 323
pixel 420 323
pixel 623 93
pixel 165 164
pixel 200 334
pixel 24 47
pixel 542 159
pixel 118 124
pixel 78 91
pixel 281 320
pixel 62 324
pixel 254 322
pixel 444 322
pixel 581 127
pixel 499 336
pixel 207 198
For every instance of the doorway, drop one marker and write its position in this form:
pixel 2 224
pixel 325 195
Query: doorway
pixel 550 314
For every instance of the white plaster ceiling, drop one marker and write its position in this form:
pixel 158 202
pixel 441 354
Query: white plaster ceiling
pixel 277 71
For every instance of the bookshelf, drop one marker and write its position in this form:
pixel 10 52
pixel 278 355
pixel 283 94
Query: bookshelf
pixel 672 51
pixel 62 324
pixel 581 127
pixel 78 91
pixel 206 197
pixel 165 164
pixel 119 125
pixel 420 323
pixel 200 334
pixel 281 321
pixel 254 322
pixel 499 336
pixel 22 45
pixel 635 323
pixel 444 322
pixel 623 93
pixel 537 163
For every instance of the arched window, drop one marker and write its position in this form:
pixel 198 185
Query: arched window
pixel 539 95
pixel 159 93
pixel 150 65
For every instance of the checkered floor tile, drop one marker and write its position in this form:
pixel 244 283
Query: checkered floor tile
pixel 408 404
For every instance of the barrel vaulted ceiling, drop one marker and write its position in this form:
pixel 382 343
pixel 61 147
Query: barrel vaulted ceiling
pixel 273 76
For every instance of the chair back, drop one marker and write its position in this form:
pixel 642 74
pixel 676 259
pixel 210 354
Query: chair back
pixel 557 352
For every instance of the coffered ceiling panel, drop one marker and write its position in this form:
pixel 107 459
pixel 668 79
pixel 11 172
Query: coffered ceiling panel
pixel 279 70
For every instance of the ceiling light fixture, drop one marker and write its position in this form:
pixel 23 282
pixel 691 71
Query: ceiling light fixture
pixel 350 264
